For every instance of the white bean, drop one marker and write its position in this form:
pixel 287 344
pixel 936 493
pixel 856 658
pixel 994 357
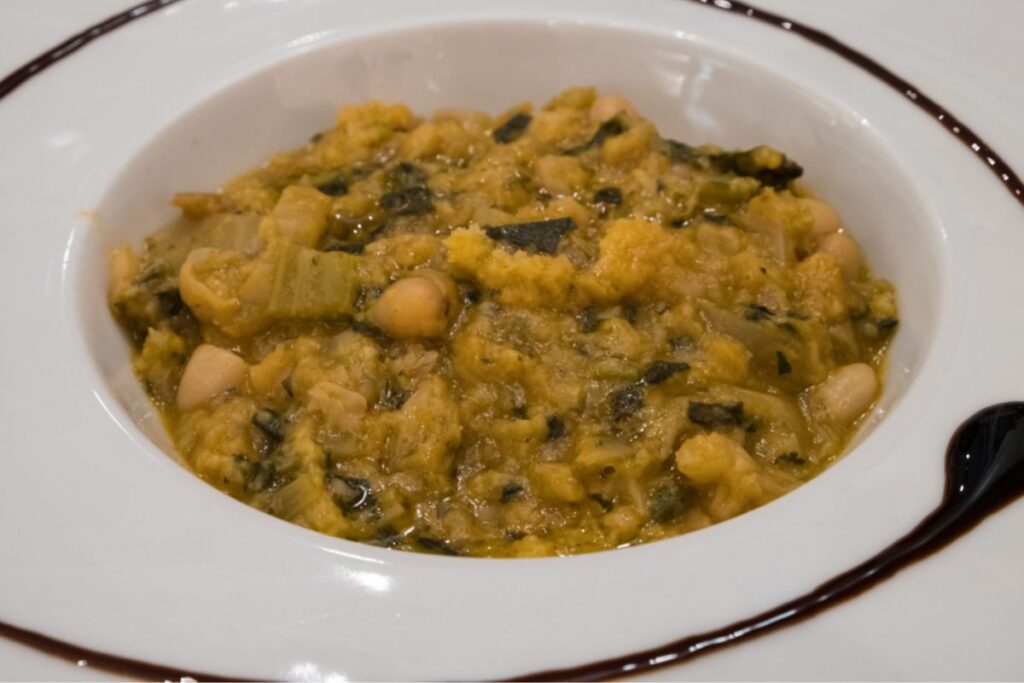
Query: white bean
pixel 845 251
pixel 210 372
pixel 416 306
pixel 824 218
pixel 847 392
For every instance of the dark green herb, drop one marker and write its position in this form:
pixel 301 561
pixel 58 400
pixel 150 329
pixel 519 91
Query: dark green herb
pixel 669 501
pixel 435 546
pixel 512 129
pixel 627 401
pixel 887 325
pixel 747 163
pixel 543 236
pixel 351 493
pixel 369 329
pixel 610 128
pixel 792 458
pixel 392 397
pixel 589 320
pixel 660 370
pixel 387 536
pixel 286 384
pixel 170 303
pixel 335 187
pixel 682 343
pixel 728 413
pixel 608 195
pixel 605 504
pixel 413 201
pixel 756 312
pixel 680 152
pixel 347 248
pixel 782 364
pixel 510 491
pixel 259 476
pixel 556 428
pixel 405 176
pixel 269 423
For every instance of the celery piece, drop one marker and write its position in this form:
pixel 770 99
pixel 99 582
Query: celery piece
pixel 312 284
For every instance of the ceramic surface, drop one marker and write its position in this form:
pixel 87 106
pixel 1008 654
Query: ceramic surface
pixel 115 547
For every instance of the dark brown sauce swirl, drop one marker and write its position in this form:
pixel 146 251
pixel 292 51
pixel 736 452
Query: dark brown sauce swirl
pixel 984 471
pixel 984 463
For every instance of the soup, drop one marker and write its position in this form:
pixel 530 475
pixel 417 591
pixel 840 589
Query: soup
pixel 547 332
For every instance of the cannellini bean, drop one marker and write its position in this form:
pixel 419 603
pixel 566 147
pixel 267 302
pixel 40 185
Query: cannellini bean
pixel 824 218
pixel 416 306
pixel 210 372
pixel 845 251
pixel 847 392
pixel 605 107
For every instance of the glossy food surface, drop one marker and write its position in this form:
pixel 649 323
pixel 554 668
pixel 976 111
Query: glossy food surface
pixel 547 332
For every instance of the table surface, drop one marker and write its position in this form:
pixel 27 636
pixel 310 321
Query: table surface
pixel 961 53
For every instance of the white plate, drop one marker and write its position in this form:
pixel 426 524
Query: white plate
pixel 111 546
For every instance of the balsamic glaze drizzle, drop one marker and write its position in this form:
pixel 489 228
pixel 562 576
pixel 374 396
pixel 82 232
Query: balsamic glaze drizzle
pixel 995 163
pixel 76 43
pixel 984 471
pixel 984 463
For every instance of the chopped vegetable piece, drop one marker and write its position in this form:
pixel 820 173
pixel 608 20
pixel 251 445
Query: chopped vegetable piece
pixel 556 428
pixel 346 248
pixel 756 313
pixel 510 491
pixel 609 129
pixel 727 414
pixel 335 187
pixel 404 176
pixel 769 166
pixel 312 284
pixel 608 195
pixel 792 458
pixel 627 401
pixel 589 320
pixel 887 325
pixel 413 201
pixel 783 366
pixel 670 501
pixel 512 129
pixel 392 396
pixel 680 152
pixel 660 370
pixel 269 423
pixel 543 236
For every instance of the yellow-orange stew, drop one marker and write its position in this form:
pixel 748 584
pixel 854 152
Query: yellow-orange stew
pixel 547 332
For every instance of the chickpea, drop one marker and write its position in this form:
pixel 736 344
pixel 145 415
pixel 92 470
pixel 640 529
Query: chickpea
pixel 847 392
pixel 607 106
pixel 825 220
pixel 417 306
pixel 845 251
pixel 210 372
